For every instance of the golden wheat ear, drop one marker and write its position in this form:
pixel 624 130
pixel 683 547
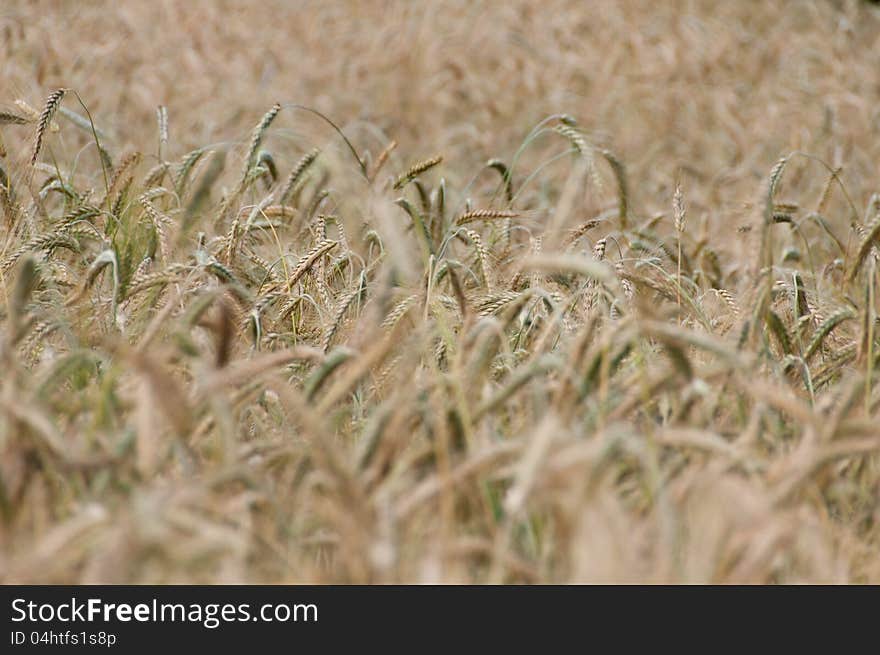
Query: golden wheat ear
pixel 414 171
pixel 257 136
pixel 382 159
pixel 296 175
pixel 484 215
pixel 51 106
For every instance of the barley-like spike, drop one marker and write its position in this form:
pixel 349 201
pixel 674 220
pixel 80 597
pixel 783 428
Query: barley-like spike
pixel 778 328
pixel 49 110
pixel 494 303
pixel 32 114
pixel 822 203
pixel 574 137
pixel 278 211
pixel 117 180
pixel 398 311
pixel 296 173
pixel 342 238
pixel 184 168
pixel 268 270
pixel 837 361
pixel 790 208
pixel 116 208
pixel 162 121
pixel 159 278
pixel 729 300
pixel 221 272
pixel 267 299
pixel 482 257
pixel 835 319
pixel 160 220
pixel 382 158
pixel 321 285
pixel 155 175
pixel 484 215
pixel 8 118
pixel 315 203
pixel 58 239
pixel 256 139
pixel 341 308
pixel 321 226
pixel 416 170
pixel 678 209
pixel 11 210
pixel 619 170
pixel 288 306
pixel 628 289
pixel 869 236
pixel 231 241
pixel 320 273
pixel 142 270
pixel 775 176
pixel 305 264
pixel 37 333
pixel 581 230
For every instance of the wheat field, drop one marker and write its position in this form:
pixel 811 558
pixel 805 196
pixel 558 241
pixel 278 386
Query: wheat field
pixel 442 292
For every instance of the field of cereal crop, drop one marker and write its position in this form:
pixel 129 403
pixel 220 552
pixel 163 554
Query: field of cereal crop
pixel 499 292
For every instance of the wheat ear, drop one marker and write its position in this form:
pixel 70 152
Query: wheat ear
pixel 45 118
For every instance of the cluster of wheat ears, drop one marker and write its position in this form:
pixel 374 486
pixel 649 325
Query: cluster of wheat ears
pixel 261 362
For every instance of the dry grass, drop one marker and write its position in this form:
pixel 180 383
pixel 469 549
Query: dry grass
pixel 608 312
